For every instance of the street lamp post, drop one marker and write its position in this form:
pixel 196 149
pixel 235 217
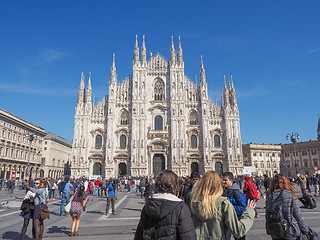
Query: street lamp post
pixel 293 138
pixel 31 138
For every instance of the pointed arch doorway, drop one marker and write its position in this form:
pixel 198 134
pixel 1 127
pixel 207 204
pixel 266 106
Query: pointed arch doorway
pixel 158 163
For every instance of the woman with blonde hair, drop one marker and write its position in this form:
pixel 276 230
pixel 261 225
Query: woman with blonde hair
pixel 281 203
pixel 214 216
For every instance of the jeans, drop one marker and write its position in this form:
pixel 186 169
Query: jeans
pixel 142 189
pixel 64 199
pixel 97 191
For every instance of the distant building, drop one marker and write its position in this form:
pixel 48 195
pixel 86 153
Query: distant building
pixel 55 156
pixel 265 158
pixel 306 156
pixel 288 159
pixel 15 147
pixel 156 119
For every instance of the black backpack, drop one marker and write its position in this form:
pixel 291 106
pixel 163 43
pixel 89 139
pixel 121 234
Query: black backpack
pixel 276 225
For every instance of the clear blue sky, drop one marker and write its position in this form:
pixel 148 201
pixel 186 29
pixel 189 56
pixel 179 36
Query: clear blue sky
pixel 271 48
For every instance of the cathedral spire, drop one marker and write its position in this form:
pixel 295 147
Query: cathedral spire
pixel 143 51
pixel 180 56
pixel 89 89
pixel 172 51
pixel 136 51
pixel 81 89
pixel 113 70
pixel 225 92
pixel 318 130
pixel 202 72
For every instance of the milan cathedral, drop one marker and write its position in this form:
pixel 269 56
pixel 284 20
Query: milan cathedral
pixel 156 119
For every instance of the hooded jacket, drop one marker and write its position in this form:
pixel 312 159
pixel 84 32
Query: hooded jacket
pixel 223 222
pixel 165 217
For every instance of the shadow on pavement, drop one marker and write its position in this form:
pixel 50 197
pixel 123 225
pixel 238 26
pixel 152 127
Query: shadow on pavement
pixel 14 236
pixel 133 209
pixel 56 229
pixel 95 212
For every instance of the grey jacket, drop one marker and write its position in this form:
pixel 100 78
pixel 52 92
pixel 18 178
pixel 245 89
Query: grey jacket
pixel 290 211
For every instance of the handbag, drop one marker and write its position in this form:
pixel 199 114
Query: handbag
pixel 66 209
pixel 44 212
pixel 258 195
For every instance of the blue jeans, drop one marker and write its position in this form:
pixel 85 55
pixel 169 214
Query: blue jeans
pixel 64 199
pixel 97 191
pixel 142 189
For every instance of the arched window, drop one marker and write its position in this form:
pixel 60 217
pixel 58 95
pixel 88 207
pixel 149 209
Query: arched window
pixel 158 123
pixel 159 90
pixel 123 141
pixel 193 118
pixel 194 143
pixel 124 118
pixel 98 141
pixel 217 141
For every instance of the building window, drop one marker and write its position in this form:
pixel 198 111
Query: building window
pixel 193 118
pixel 268 165
pixel 45 148
pixel 245 154
pixel 267 154
pixel 262 165
pixel 124 118
pixel 314 152
pixel 295 154
pixel 304 153
pixel 256 165
pixel 45 142
pixel 98 141
pixel 279 154
pixel 159 90
pixel 123 141
pixel 273 154
pixel 254 154
pixel 286 154
pixel 194 143
pixel 217 141
pixel 315 163
pixel 260 154
pixel 158 123
pixel 274 165
pixel 305 163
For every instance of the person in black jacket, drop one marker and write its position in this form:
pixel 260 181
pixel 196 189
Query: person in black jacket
pixel 164 216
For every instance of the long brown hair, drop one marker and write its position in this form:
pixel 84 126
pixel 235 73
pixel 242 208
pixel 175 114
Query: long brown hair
pixel 207 190
pixel 280 182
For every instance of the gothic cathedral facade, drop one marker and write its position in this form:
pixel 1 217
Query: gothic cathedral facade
pixel 156 119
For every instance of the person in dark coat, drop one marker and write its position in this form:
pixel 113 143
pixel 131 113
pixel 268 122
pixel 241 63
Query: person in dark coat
pixel 165 216
pixel 281 196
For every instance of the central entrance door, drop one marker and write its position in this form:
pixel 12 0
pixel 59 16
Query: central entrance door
pixel 97 169
pixel 122 169
pixel 158 164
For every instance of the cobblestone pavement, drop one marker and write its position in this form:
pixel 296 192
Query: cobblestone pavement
pixel 96 225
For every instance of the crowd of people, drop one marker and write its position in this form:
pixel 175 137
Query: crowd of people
pixel 195 207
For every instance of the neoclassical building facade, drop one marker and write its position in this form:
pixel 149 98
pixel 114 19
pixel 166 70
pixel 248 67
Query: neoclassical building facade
pixel 156 119
pixel 16 149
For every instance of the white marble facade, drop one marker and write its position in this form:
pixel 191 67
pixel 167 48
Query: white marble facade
pixel 156 119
